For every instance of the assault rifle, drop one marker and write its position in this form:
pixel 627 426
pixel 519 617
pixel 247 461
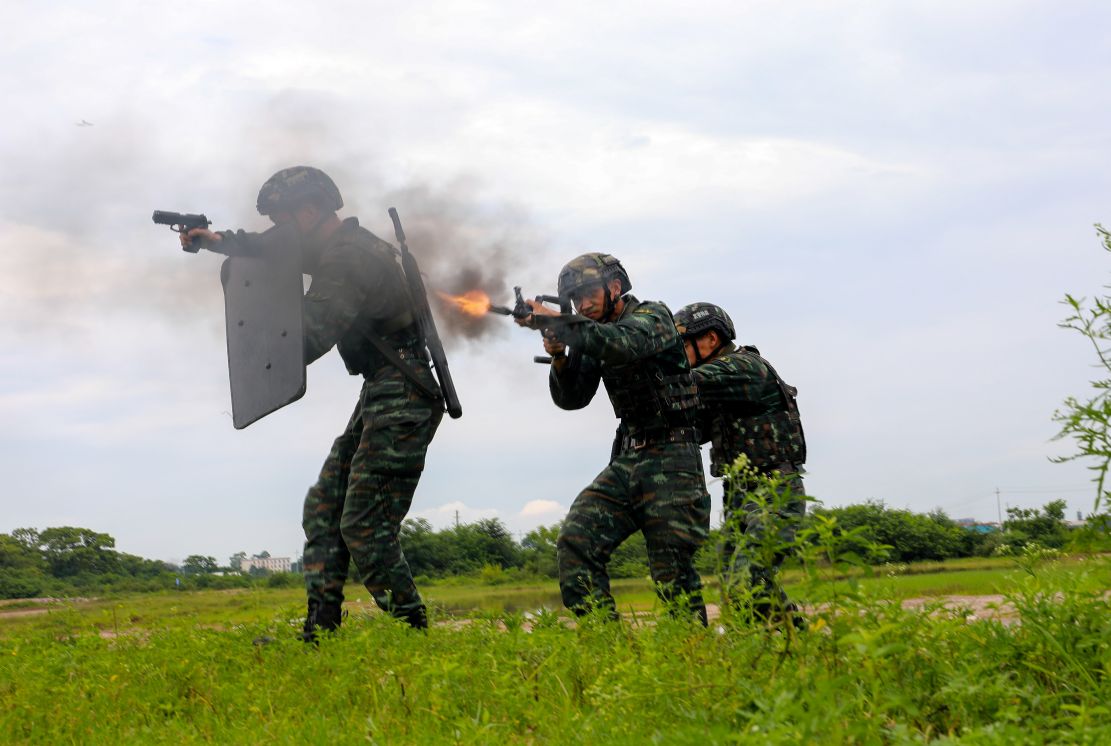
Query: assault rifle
pixel 425 321
pixel 522 310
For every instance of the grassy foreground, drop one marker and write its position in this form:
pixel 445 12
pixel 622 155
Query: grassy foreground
pixel 225 668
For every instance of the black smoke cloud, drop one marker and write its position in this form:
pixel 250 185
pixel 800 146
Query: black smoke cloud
pixel 463 246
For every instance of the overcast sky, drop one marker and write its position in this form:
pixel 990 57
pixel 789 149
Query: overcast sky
pixel 890 199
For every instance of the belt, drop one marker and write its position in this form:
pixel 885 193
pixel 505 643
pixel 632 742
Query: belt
pixel 406 352
pixel 398 357
pixel 641 439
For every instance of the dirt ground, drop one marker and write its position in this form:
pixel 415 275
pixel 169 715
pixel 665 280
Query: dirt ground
pixel 990 606
pixel 975 607
pixel 42 605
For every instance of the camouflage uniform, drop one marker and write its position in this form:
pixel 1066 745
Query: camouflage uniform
pixel 747 408
pixel 365 488
pixel 367 483
pixel 654 480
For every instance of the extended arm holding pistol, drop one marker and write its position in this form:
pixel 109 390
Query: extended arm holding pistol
pixel 195 235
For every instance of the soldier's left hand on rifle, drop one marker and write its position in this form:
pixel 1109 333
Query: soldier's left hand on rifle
pixel 535 314
pixel 535 309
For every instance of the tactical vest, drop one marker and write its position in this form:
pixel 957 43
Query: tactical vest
pixel 769 439
pixel 656 393
pixel 399 332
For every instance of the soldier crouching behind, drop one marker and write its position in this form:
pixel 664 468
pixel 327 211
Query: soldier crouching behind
pixel 358 294
pixel 654 481
pixel 746 408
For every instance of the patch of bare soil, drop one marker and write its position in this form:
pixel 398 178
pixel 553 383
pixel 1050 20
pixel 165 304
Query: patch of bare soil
pixel 990 606
pixel 40 605
pixel 14 613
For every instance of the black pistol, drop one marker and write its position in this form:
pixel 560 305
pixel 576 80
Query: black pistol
pixel 182 223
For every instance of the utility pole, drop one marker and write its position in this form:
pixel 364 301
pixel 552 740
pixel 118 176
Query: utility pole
pixel 998 508
pixel 457 519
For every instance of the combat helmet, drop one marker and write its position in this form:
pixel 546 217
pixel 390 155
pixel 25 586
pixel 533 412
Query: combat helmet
pixel 292 186
pixel 698 318
pixel 593 268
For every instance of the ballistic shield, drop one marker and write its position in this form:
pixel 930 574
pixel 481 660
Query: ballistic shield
pixel 263 291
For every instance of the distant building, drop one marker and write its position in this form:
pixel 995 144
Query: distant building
pixel 980 527
pixel 270 564
pixel 1080 521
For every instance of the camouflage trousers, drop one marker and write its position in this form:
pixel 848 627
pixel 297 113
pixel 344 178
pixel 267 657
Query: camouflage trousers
pixel 365 488
pixel 750 557
pixel 659 490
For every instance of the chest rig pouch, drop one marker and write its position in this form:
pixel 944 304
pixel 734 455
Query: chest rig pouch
pixel 769 439
pixel 646 396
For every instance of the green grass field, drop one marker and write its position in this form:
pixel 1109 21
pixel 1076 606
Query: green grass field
pixel 226 667
pixel 227 608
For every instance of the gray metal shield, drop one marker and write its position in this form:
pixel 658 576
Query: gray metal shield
pixel 262 306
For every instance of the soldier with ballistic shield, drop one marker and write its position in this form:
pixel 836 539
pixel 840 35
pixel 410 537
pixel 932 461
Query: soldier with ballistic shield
pixel 746 408
pixel 359 302
pixel 654 480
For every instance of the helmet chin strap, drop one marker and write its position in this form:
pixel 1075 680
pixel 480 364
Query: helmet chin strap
pixel 609 305
pixel 699 358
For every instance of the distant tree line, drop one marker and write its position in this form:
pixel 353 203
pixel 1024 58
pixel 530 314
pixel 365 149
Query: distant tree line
pixel 920 537
pixel 487 549
pixel 68 560
pixel 62 560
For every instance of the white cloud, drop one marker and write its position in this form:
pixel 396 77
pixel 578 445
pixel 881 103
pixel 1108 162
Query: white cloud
pixel 538 508
pixel 627 167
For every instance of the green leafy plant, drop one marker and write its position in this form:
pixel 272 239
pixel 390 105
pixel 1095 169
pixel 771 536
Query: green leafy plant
pixel 1087 420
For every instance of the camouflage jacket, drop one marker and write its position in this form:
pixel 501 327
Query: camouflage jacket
pixel 747 408
pixel 357 287
pixel 640 358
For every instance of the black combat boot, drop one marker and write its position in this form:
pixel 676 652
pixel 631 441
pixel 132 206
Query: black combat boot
pixel 325 617
pixel 771 606
pixel 309 632
pixel 418 618
pixel 329 616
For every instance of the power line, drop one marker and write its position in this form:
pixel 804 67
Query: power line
pixel 1048 492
